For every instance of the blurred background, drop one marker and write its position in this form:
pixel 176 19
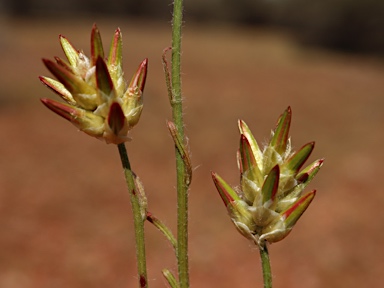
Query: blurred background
pixel 64 209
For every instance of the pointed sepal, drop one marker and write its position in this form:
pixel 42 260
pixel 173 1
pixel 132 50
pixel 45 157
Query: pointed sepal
pixel 116 118
pixel 115 62
pixel 96 45
pixel 227 194
pixel 297 160
pixel 293 213
pixel 84 95
pixel 248 161
pixel 279 139
pixel 270 186
pixel 241 215
pixel 282 225
pixel 306 175
pixel 132 100
pixel 258 154
pixel 137 84
pixel 66 111
pixel 115 53
pixel 104 81
pixel 58 88
pixel 70 52
pixel 84 120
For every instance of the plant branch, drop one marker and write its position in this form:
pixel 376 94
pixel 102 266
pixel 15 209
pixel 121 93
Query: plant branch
pixel 137 217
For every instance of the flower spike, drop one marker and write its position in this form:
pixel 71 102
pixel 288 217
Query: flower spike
pixel 98 100
pixel 270 199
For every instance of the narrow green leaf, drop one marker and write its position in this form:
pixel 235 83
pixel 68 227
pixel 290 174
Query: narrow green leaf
pixel 162 228
pixel 167 74
pixel 171 279
pixel 181 147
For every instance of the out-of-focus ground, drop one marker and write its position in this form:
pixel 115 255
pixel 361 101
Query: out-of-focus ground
pixel 64 210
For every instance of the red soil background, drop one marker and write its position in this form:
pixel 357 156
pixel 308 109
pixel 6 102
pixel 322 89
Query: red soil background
pixel 64 210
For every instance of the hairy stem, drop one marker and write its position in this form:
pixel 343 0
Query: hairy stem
pixel 182 177
pixel 266 265
pixel 137 217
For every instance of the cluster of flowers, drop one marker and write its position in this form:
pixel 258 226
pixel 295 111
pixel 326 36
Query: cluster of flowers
pixel 270 200
pixel 98 100
pixel 100 103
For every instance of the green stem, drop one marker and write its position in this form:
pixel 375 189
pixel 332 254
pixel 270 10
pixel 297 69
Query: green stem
pixel 137 217
pixel 266 265
pixel 182 177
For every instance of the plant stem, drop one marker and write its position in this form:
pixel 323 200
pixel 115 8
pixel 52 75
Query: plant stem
pixel 182 177
pixel 137 217
pixel 266 265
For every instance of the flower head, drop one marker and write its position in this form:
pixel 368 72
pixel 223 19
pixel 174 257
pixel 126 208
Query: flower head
pixel 98 100
pixel 270 199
